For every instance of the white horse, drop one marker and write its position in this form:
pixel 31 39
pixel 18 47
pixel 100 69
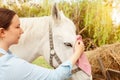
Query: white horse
pixel 35 40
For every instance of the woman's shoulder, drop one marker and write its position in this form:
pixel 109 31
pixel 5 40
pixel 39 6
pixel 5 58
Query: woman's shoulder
pixel 11 59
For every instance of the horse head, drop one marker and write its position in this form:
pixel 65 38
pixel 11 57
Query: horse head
pixel 63 36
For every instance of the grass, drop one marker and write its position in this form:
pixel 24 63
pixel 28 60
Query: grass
pixel 40 61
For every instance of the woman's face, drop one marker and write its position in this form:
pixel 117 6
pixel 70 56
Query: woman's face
pixel 13 33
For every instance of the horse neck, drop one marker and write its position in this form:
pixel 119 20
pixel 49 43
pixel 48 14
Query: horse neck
pixel 34 37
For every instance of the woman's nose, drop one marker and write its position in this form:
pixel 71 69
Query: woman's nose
pixel 21 31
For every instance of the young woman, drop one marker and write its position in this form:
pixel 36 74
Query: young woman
pixel 14 68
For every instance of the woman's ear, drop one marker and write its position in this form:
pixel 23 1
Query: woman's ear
pixel 2 32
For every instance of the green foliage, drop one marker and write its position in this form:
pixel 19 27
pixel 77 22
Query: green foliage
pixel 41 62
pixel 92 18
pixel 98 22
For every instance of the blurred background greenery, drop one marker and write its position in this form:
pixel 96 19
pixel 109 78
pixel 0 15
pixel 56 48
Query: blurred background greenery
pixel 92 18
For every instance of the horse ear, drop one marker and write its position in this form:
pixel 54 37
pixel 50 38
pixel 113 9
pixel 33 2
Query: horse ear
pixel 62 14
pixel 55 12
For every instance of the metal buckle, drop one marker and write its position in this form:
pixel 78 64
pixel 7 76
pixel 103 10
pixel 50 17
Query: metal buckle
pixel 52 52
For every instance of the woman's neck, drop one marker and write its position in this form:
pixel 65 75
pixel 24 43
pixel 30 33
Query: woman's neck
pixel 3 46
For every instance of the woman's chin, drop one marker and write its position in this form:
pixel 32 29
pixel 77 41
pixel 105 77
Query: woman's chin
pixel 15 43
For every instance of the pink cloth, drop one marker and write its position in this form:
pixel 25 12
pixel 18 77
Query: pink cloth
pixel 83 62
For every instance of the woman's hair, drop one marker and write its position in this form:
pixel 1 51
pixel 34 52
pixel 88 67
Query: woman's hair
pixel 6 17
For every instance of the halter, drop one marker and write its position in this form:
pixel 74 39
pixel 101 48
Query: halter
pixel 53 52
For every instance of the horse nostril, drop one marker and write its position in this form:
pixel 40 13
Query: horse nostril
pixel 68 44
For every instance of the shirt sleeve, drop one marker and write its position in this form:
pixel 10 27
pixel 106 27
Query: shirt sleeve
pixel 63 72
pixel 22 70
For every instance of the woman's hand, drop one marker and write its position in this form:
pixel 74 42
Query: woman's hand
pixel 78 50
pixel 79 47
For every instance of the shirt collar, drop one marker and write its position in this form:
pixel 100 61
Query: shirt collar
pixel 2 51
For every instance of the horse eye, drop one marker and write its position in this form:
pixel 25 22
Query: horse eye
pixel 68 44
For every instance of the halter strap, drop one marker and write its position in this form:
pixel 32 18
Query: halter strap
pixel 53 52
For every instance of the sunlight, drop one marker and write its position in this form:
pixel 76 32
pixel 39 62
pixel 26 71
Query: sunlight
pixel 116 13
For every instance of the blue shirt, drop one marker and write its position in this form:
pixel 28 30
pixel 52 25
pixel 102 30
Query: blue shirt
pixel 14 68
